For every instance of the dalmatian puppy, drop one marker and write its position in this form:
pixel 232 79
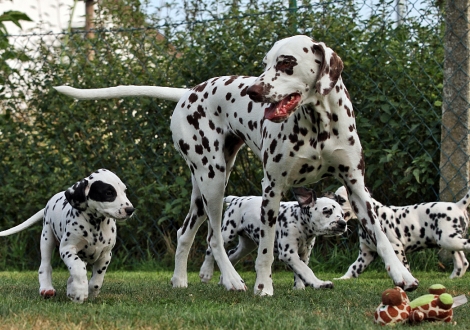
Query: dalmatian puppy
pixel 297 117
pixel 415 227
pixel 81 220
pixel 297 226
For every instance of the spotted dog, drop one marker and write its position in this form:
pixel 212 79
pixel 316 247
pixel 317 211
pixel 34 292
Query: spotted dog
pixel 296 117
pixel 81 220
pixel 415 227
pixel 297 226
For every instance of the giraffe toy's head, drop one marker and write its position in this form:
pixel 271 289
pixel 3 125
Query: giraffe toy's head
pixel 394 308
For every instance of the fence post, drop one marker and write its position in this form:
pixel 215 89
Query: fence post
pixel 455 151
pixel 89 25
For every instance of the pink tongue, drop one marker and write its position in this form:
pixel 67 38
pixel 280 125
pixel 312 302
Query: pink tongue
pixel 277 112
pixel 270 112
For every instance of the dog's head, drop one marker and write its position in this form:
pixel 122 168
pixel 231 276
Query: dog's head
pixel 324 215
pixel 295 69
pixel 101 194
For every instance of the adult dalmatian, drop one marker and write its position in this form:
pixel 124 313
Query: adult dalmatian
pixel 297 117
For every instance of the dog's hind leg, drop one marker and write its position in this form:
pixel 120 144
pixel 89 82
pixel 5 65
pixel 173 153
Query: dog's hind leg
pixel 185 237
pixel 460 264
pixel 213 201
pixel 48 243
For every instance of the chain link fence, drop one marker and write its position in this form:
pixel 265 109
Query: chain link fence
pixel 394 70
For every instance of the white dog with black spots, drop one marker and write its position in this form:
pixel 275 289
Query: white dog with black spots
pixel 412 228
pixel 299 223
pixel 81 220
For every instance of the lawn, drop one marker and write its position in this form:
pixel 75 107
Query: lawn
pixel 146 300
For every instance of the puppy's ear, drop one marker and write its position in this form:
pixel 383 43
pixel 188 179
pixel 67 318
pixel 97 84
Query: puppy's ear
pixel 77 195
pixel 305 197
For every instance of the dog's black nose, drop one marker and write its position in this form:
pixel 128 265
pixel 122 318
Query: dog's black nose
pixel 341 224
pixel 255 93
pixel 129 210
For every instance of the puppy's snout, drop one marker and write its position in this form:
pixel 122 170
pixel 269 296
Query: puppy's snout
pixel 341 224
pixel 255 92
pixel 129 210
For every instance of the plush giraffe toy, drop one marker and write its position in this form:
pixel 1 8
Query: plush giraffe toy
pixel 394 308
pixel 435 306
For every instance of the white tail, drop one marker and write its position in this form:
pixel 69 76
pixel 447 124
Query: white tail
pixel 35 218
pixel 229 199
pixel 165 93
pixel 463 203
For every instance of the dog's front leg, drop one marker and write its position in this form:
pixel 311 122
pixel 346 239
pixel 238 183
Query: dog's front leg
pixel 99 270
pixel 361 203
pixel 77 284
pixel 300 267
pixel 48 243
pixel 269 212
pixel 305 258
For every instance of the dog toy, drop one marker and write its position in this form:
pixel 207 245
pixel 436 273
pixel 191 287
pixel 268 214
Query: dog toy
pixel 435 306
pixel 394 308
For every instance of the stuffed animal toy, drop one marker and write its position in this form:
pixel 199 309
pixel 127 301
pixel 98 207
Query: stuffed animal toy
pixel 435 306
pixel 395 307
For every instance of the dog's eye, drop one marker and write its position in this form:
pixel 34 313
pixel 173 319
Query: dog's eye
pixel 109 193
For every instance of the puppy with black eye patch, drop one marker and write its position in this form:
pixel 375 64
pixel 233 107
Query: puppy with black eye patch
pixel 82 222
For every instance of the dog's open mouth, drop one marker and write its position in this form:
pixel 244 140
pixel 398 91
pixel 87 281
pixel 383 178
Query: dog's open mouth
pixel 281 110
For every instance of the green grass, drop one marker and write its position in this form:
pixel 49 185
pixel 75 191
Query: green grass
pixel 146 300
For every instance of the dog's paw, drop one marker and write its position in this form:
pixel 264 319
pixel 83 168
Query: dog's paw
pixel 93 292
pixel 47 293
pixel 344 277
pixel 76 297
pixel 299 285
pixel 205 277
pixel 207 271
pixel 179 282
pixel 325 285
pixel 77 291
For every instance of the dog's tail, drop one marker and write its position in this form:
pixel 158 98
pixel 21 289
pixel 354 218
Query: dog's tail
pixel 165 93
pixel 229 199
pixel 463 203
pixel 35 218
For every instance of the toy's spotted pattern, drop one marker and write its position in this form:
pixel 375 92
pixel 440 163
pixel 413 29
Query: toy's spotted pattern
pixel 414 227
pixel 299 223
pixel 81 220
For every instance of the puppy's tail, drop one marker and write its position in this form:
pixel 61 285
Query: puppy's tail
pixel 165 93
pixel 463 203
pixel 35 218
pixel 229 199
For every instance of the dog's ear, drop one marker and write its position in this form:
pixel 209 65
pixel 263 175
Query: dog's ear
pixel 330 68
pixel 77 195
pixel 305 197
